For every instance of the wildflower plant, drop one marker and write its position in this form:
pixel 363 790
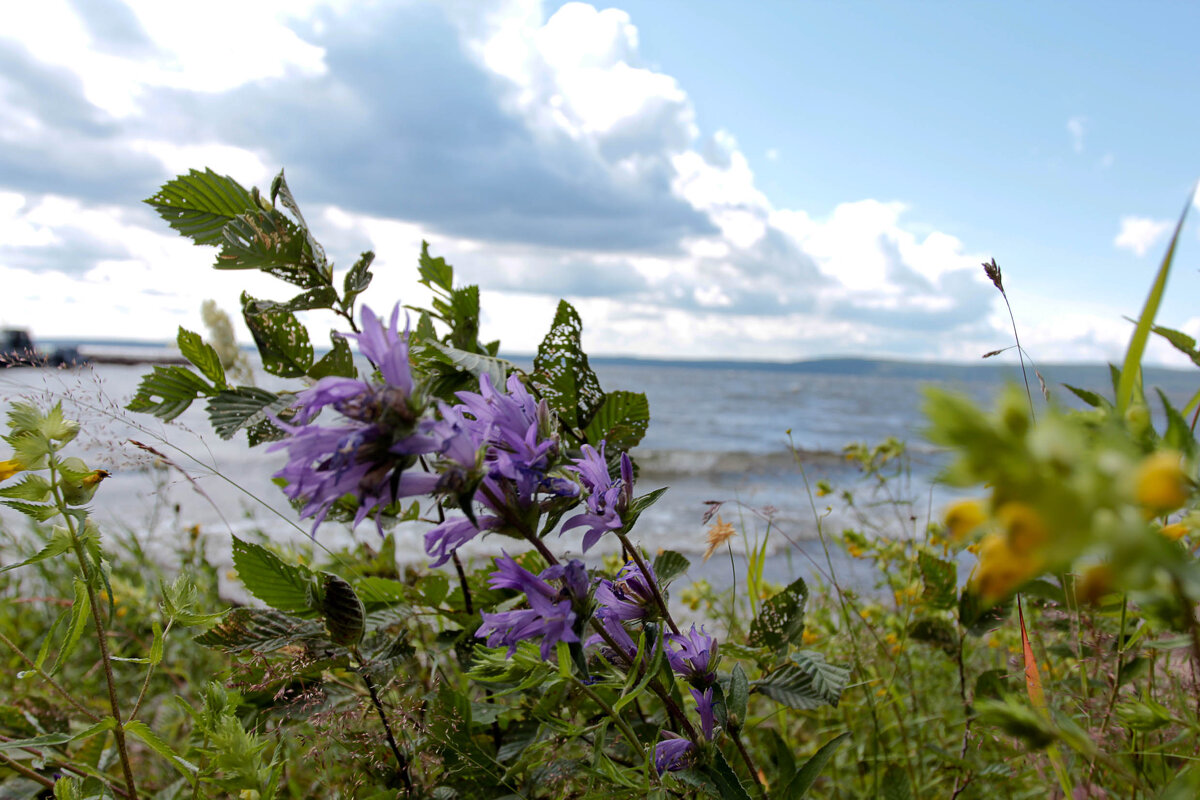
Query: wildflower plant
pixel 535 675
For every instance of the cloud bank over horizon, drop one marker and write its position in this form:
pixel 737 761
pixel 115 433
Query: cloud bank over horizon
pixel 539 152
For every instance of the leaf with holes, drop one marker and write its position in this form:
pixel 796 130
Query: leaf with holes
pixel 780 623
pixel 200 204
pixel 474 363
pixel 282 341
pixel 168 391
pixel 270 242
pixel 280 191
pixel 620 421
pixel 284 587
pixel 561 372
pixel 806 682
pixel 338 361
pixel 357 279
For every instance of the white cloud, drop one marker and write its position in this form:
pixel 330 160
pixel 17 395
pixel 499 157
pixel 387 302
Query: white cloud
pixel 1139 234
pixel 1076 128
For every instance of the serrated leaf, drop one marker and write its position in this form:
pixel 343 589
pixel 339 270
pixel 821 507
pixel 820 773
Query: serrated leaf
pixel 140 730
pixel 475 364
pixel 561 372
pixel 669 565
pixel 1180 341
pixel 60 542
pixel 621 421
pixel 940 579
pixel 202 356
pixel 780 623
pixel 200 204
pixel 806 682
pixel 80 610
pixel 345 616
pixel 283 587
pixel 738 696
pixel 807 775
pixel 282 341
pixel 271 243
pixel 39 512
pixel 280 191
pixel 259 629
pixel 168 391
pixel 357 279
pixel 382 591
pixel 320 297
pixel 435 272
pixel 338 361
pixel 33 488
pixel 234 409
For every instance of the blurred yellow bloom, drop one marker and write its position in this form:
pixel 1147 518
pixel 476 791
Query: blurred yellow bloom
pixel 1095 582
pixel 9 468
pixel 1001 568
pixel 718 534
pixel 1175 531
pixel 855 551
pixel 963 517
pixel 1160 484
pixel 1024 526
pixel 809 637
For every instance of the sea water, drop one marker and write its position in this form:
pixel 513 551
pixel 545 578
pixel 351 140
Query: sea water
pixel 749 442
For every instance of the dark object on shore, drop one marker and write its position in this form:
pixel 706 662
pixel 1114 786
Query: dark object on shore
pixel 17 350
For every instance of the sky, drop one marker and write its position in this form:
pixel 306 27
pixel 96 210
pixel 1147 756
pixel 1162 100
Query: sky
pixel 768 180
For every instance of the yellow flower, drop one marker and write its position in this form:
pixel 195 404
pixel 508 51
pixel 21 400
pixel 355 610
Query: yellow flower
pixel 1095 582
pixel 718 534
pixel 1024 526
pixel 1175 531
pixel 809 637
pixel 9 468
pixel 855 551
pixel 1001 568
pixel 1160 484
pixel 963 518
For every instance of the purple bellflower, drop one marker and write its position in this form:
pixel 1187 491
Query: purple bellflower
pixel 513 433
pixel 379 437
pixel 607 498
pixel 693 656
pixel 551 615
pixel 629 596
pixel 672 753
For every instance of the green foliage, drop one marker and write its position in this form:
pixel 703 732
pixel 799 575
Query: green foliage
pixel 806 681
pixel 284 587
pixel 780 622
pixel 561 372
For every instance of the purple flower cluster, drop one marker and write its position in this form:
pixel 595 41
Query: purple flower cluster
pixel 673 752
pixel 512 432
pixel 551 615
pixel 379 437
pixel 630 596
pixel 607 498
pixel 693 656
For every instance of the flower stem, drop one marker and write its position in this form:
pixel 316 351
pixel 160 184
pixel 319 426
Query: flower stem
pixel 614 716
pixel 401 759
pixel 658 598
pixel 741 748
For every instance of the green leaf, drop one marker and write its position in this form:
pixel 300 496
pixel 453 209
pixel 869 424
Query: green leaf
pixel 780 622
pixel 978 618
pixel 1180 341
pixel 320 297
pixel 561 372
pixel 1131 369
pixel 168 391
pixel 475 364
pixel 639 505
pixel 280 191
pixel 80 611
pixel 140 730
pixel 620 421
pixel 738 697
pixel 282 341
pixel 283 587
pixel 1178 433
pixel 934 631
pixel 807 775
pixel 202 356
pixel 896 785
pixel 60 542
pixel 338 361
pixel 357 279
pixel 156 646
pixel 39 512
pixel 33 488
pixel 271 243
pixel 729 786
pixel 260 630
pixel 1091 398
pixel 807 682
pixel 669 565
pixel 345 616
pixel 940 579
pixel 200 204
pixel 435 272
pixel 244 407
pixel 375 590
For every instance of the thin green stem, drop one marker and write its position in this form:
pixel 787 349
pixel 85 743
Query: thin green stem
pixel 21 769
pixel 741 748
pixel 101 632
pixel 50 680
pixel 401 759
pixel 626 731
